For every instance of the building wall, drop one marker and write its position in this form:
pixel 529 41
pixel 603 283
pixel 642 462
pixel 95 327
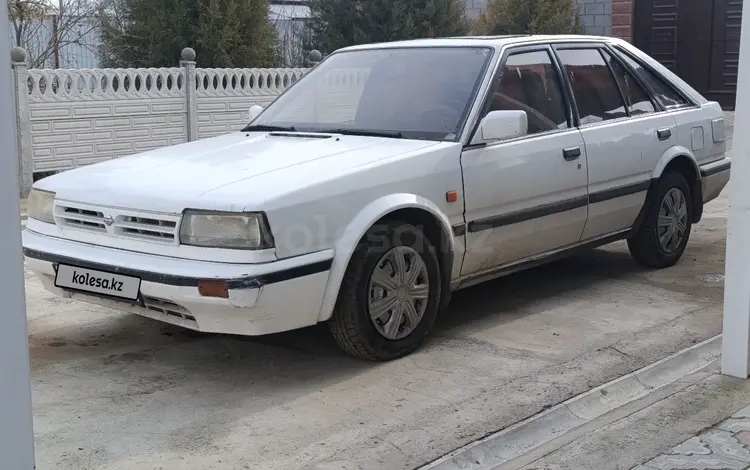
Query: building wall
pixel 622 19
pixel 79 45
pixel 596 16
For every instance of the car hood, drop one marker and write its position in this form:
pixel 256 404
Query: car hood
pixel 171 179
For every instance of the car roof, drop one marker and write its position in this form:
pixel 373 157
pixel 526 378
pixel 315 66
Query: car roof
pixel 487 41
pixel 498 42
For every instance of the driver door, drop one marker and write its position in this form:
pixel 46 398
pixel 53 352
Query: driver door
pixel 527 195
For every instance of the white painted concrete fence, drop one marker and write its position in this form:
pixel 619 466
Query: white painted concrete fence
pixel 72 117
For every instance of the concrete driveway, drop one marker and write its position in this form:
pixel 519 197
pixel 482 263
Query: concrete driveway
pixel 117 391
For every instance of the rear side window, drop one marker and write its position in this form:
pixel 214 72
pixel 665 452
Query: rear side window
pixel 597 95
pixel 636 98
pixel 663 92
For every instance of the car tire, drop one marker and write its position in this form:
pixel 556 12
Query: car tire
pixel 361 296
pixel 648 246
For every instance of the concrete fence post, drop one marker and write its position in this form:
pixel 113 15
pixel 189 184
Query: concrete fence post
pixel 314 58
pixel 188 63
pixel 23 121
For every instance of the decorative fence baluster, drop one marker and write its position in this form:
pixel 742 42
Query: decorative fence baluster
pixel 73 117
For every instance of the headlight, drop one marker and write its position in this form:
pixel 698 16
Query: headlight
pixel 248 231
pixel 39 205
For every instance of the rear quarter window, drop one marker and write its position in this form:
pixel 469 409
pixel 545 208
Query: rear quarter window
pixel 664 93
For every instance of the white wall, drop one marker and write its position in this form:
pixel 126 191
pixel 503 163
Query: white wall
pixel 224 96
pixel 73 117
pixel 79 117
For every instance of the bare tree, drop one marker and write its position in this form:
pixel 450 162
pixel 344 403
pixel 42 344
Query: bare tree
pixel 45 28
pixel 26 16
pixel 292 23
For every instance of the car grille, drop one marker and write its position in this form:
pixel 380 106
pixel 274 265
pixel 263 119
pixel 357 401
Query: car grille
pixel 147 227
pixel 167 308
pixel 118 222
pixel 81 218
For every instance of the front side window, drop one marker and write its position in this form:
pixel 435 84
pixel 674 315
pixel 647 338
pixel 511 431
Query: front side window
pixel 416 92
pixel 664 93
pixel 529 82
pixel 635 96
pixel 597 95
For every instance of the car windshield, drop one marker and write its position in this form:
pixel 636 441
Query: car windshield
pixel 414 93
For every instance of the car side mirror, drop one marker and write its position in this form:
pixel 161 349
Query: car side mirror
pixel 502 125
pixel 254 111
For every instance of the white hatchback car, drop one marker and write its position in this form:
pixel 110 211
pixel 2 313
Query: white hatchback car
pixel 385 178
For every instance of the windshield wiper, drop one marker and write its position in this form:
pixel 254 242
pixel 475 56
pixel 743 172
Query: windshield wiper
pixel 366 133
pixel 267 128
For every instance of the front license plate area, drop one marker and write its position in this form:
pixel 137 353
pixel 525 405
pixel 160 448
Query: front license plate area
pixel 97 282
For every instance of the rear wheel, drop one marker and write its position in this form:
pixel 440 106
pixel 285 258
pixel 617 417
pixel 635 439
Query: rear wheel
pixel 665 231
pixel 390 294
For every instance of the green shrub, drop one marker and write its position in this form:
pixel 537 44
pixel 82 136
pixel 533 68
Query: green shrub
pixel 530 17
pixel 341 23
pixel 152 33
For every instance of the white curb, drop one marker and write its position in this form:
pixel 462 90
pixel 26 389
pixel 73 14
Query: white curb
pixel 516 440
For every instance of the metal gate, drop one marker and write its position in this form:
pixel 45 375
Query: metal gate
pixel 699 40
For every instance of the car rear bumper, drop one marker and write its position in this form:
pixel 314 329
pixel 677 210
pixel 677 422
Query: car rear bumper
pixel 262 298
pixel 714 177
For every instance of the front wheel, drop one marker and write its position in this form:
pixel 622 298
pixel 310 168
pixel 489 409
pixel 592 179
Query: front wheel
pixel 665 231
pixel 390 294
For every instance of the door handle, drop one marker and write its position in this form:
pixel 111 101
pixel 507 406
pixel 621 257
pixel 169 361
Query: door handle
pixel 664 134
pixel 572 153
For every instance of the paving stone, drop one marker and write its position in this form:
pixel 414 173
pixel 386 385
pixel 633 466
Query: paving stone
pixel 733 425
pixel 723 443
pixel 716 449
pixel 743 437
pixel 694 462
pixel 693 446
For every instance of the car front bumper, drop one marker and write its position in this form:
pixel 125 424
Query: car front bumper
pixel 262 298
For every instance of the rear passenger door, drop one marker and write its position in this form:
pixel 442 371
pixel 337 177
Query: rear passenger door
pixel 622 131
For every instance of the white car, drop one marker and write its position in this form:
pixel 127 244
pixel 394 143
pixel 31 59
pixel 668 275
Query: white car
pixel 387 177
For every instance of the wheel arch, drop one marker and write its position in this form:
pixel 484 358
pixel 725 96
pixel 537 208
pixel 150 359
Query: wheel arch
pixel 682 159
pixel 408 208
